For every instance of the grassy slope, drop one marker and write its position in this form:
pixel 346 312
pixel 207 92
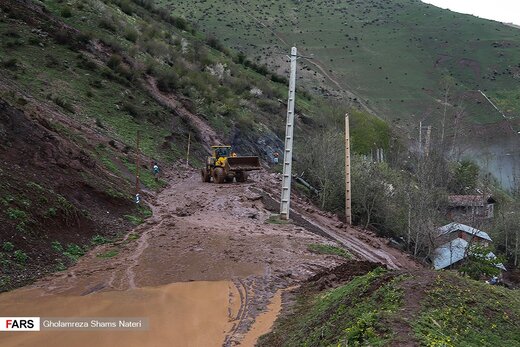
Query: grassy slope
pixel 372 309
pixel 462 312
pixel 392 54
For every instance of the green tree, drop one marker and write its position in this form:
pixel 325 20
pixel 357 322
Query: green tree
pixel 465 177
pixel 479 263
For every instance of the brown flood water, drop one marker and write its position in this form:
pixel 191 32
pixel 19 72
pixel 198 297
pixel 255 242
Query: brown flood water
pixel 264 322
pixel 180 314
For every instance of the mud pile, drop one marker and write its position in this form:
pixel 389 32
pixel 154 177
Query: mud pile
pixel 341 274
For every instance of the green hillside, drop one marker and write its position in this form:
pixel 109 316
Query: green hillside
pixel 385 308
pixel 392 54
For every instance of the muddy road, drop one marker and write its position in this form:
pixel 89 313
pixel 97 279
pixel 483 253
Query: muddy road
pixel 207 269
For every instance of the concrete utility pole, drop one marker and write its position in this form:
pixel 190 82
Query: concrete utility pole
pixel 137 188
pixel 289 129
pixel 348 209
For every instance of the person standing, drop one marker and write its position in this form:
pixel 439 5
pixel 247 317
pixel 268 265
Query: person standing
pixel 156 171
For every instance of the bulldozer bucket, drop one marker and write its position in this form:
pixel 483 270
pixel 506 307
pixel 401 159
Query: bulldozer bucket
pixel 243 163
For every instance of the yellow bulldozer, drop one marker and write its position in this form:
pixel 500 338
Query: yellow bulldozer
pixel 224 166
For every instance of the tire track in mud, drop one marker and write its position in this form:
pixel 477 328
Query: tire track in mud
pixel 242 313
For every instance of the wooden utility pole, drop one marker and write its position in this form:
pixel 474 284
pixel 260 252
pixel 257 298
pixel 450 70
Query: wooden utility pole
pixel 348 202
pixel 289 129
pixel 420 138
pixel 188 151
pixel 137 163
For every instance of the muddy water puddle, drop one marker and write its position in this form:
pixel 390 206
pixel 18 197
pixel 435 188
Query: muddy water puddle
pixel 264 322
pixel 179 314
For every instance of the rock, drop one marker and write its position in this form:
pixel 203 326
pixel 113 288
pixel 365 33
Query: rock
pixel 254 197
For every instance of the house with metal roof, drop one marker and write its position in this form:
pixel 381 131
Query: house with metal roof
pixel 456 239
pixel 465 232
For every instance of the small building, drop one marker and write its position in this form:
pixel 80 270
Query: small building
pixel 470 208
pixel 455 239
pixel 471 235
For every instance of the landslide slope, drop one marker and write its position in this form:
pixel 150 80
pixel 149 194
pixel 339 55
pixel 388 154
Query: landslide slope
pixel 78 81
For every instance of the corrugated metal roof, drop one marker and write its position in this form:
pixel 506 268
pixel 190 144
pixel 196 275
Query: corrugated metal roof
pixel 453 227
pixel 454 251
pixel 449 253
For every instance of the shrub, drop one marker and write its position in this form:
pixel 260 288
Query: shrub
pixel 86 63
pixel 479 264
pixel 245 122
pixel 98 84
pixel 66 12
pixel 155 48
pixel 16 214
pixel 131 35
pixel 13 43
pixel 56 246
pixel 269 106
pixel 64 37
pixel 34 41
pixel 60 266
pixel 84 37
pixel 168 81
pixel 132 109
pixel 135 220
pixel 51 61
pixel 148 4
pixel 73 251
pixel 51 212
pixel 64 104
pixel 99 240
pixel 126 7
pixel 20 256
pixel 11 63
pixel 108 23
pixel 114 61
pixel 213 42
pixel 7 246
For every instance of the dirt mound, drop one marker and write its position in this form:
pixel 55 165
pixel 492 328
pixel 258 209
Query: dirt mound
pixel 342 274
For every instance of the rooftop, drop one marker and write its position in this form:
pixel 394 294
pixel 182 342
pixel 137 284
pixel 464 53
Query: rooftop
pixel 454 227
pixel 470 200
pixel 454 251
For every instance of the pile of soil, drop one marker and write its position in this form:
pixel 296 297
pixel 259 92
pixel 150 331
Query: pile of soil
pixel 341 274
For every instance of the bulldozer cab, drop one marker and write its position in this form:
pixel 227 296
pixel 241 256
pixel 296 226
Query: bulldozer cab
pixel 221 151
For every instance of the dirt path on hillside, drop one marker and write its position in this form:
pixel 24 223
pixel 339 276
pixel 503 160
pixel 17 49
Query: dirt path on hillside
pixel 204 131
pixel 199 232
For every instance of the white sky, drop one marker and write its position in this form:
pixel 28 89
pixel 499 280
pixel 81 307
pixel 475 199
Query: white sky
pixel 507 11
